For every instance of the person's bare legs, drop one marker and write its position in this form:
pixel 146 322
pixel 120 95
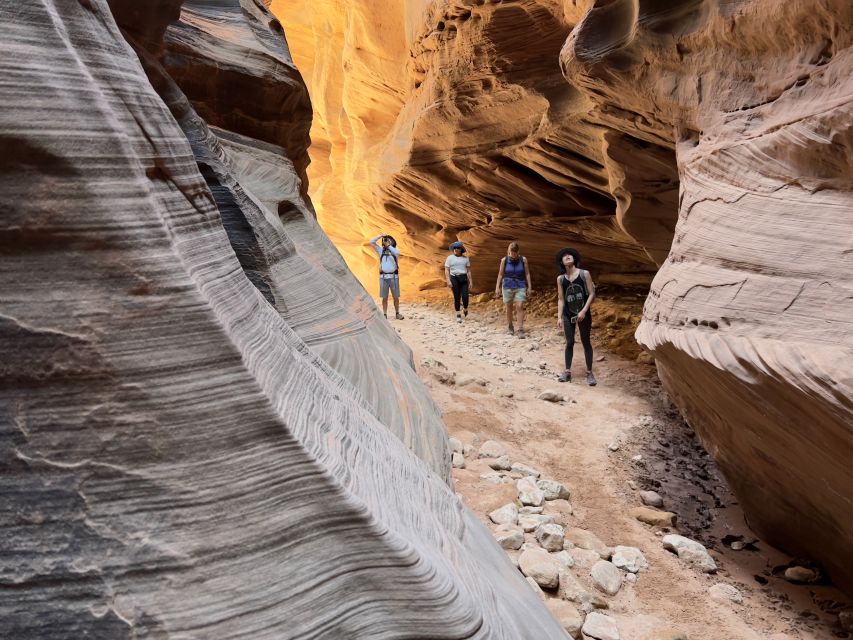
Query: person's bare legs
pixel 385 305
pixel 519 313
pixel 509 314
pixel 396 305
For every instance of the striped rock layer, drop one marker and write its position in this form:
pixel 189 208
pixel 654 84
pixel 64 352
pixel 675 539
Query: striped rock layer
pixel 205 430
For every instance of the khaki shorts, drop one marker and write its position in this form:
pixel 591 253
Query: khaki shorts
pixel 392 283
pixel 515 295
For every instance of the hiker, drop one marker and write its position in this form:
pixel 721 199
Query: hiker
pixel 389 272
pixel 575 293
pixel 514 280
pixel 457 272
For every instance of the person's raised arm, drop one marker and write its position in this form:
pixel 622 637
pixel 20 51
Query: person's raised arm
pixel 527 275
pixel 560 302
pixel 373 240
pixel 500 277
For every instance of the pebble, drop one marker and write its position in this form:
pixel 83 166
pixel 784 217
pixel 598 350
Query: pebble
pixel 539 565
pixel 637 459
pixel 723 593
pixel 551 396
pixel 606 577
pixel 651 499
pixel 524 470
pixel 457 460
pixel 600 626
pixel 802 575
pixel 550 536
pixel 491 449
pixel 507 514
pixel 553 490
pixel 613 446
pixel 654 517
pixel 500 464
pixel 631 578
pixel 630 559
pixel 529 493
pixel 584 539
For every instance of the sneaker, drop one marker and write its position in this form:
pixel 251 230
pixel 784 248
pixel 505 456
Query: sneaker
pixel 510 330
pixel 386 315
pixel 458 318
pixel 399 316
pixel 520 333
pixel 590 379
pixel 465 311
pixel 566 376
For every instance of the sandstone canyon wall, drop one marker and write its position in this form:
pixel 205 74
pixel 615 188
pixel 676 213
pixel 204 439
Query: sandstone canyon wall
pixel 709 138
pixel 189 445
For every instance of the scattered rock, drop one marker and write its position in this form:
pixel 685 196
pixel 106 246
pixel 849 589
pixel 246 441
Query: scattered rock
pixel 528 510
pixel 506 393
pixel 455 445
pixel 801 575
pixel 629 558
pixel 565 559
pixel 495 478
pixel 613 446
pixel 551 396
pixel 500 464
pixel 539 565
pixel 507 514
pixel 654 517
pixel 491 449
pixel 600 626
pixel 606 577
pixel 457 460
pixel 637 459
pixel 529 523
pixel 443 376
pixel 509 536
pixel 574 591
pixel 560 507
pixel 529 493
pixel 584 539
pixel 553 490
pixel 524 470
pixel 724 593
pixel 584 557
pixel 631 578
pixel 651 499
pixel 673 542
pixel 543 365
pixel 550 536
pixel 567 615
pixel 701 560
pixel 463 381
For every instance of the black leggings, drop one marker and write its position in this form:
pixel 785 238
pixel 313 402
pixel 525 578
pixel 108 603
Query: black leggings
pixel 569 330
pixel 459 284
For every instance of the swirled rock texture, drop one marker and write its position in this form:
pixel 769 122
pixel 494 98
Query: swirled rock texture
pixel 442 120
pixel 750 317
pixel 178 461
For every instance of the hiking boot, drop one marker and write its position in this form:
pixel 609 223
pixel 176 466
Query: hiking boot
pixel 590 379
pixel 465 311
pixel 399 316
pixel 566 376
pixel 510 330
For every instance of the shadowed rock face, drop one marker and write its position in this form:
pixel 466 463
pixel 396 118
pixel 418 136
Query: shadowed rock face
pixel 750 317
pixel 711 139
pixel 188 447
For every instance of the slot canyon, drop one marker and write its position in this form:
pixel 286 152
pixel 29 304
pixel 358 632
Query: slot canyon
pixel 209 430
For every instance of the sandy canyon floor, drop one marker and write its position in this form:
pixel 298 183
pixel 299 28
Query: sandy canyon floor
pixel 487 384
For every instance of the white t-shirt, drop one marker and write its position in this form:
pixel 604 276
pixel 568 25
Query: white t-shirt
pixel 457 264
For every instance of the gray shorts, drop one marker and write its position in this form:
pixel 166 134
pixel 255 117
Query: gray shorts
pixel 392 283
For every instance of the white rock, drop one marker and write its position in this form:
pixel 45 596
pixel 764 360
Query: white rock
pixel 588 540
pixel 651 498
pixel 527 510
pixel 565 559
pixel 600 626
pixel 551 396
pixel 723 593
pixel 613 446
pixel 491 449
pixel 539 565
pixel 673 542
pixel 524 470
pixel 701 560
pixel 584 557
pixel 631 578
pixel 637 459
pixel 529 523
pixel 550 536
pixel 455 445
pixel 529 493
pixel 500 464
pixel 509 536
pixel 606 577
pixel 457 460
pixel 553 490
pixel 495 478
pixel 507 514
pixel 629 558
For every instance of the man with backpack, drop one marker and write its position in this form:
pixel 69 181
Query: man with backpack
pixel 389 272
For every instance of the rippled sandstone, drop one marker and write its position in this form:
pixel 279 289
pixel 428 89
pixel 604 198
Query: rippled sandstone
pixel 192 442
pixel 711 139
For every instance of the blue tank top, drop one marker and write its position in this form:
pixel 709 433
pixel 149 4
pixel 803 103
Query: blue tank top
pixel 514 274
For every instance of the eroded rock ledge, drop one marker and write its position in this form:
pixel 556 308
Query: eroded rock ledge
pixel 192 442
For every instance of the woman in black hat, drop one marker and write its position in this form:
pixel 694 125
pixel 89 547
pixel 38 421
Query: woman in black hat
pixel 457 272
